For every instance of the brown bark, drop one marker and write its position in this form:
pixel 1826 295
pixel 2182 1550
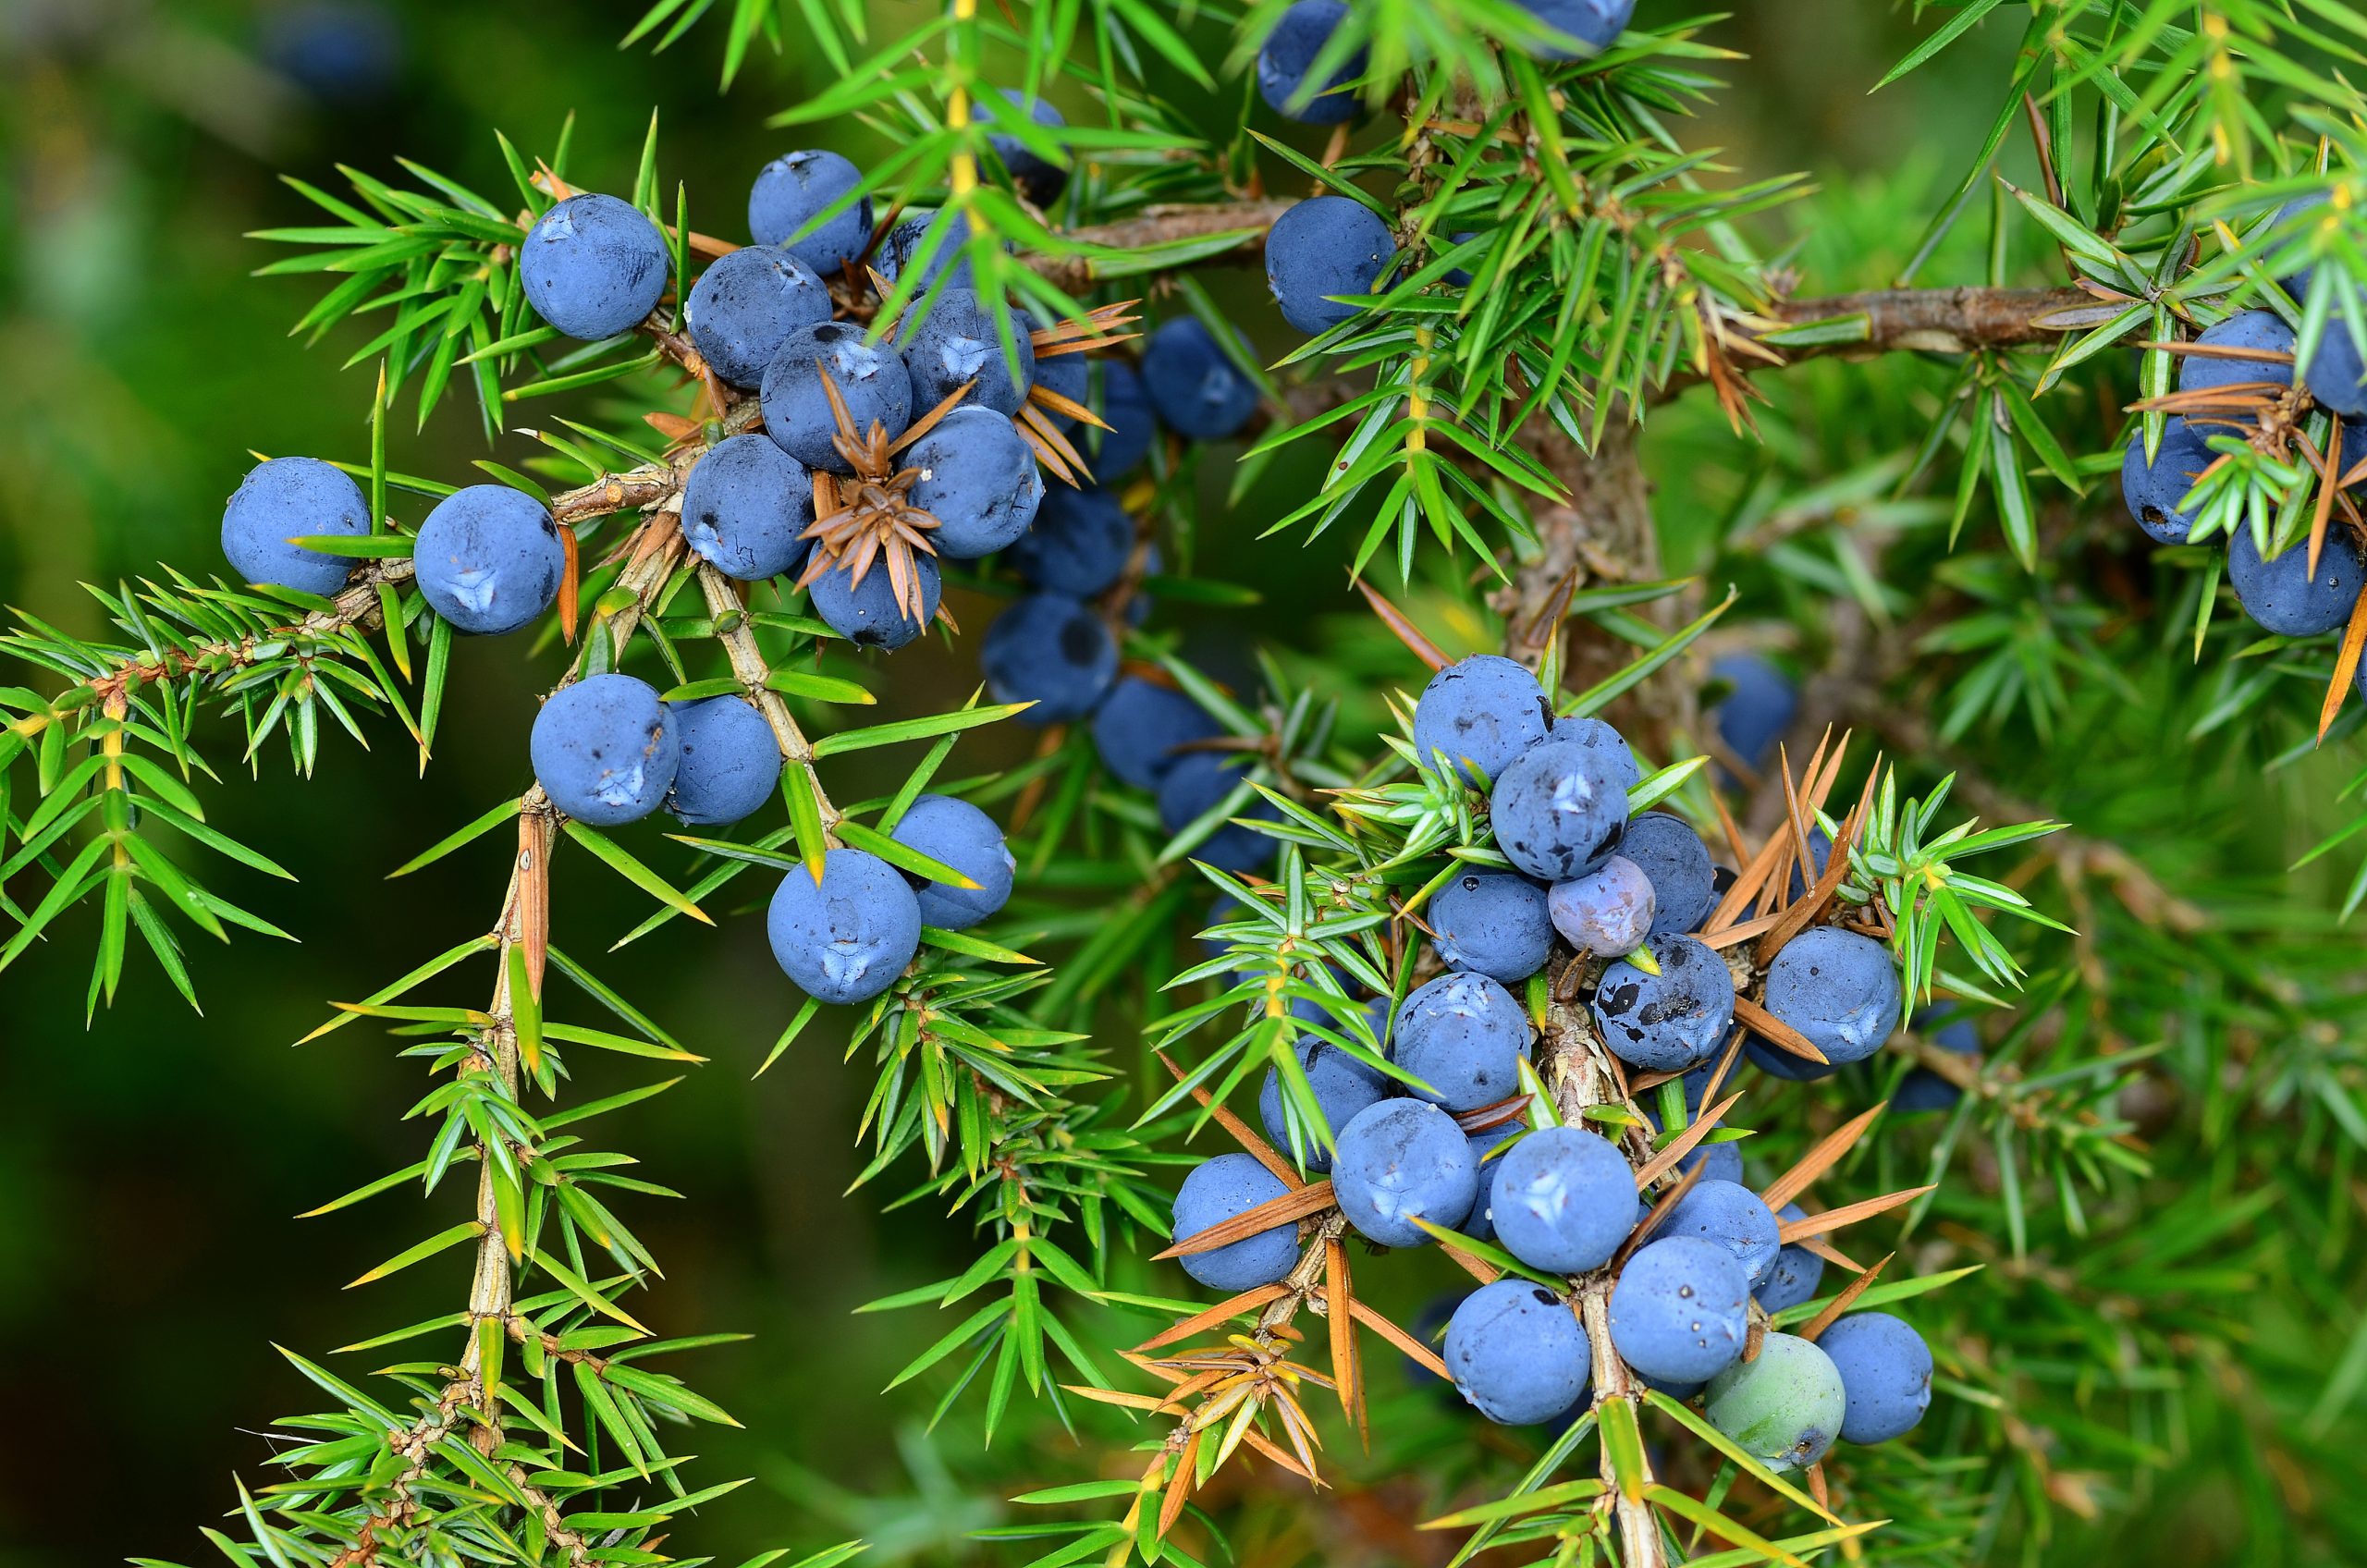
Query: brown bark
pixel 1162 226
pixel 1946 321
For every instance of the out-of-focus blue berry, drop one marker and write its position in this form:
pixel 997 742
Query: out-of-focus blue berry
pixel 959 343
pixel 605 750
pixel 292 498
pixel 1049 650
pixel 1674 860
pixel 1401 1161
pixel 1071 375
pixel 1192 788
pixel 744 306
pixel 2283 595
pixel 1464 1035
pixel 847 938
pixel 1342 1085
pixel 1482 713
pixel 1493 923
pixel 868 613
pixel 1669 1022
pixel 1923 1089
pixel 1596 24
pixel 1565 1200
pixel 1680 1310
pixel 794 188
pixel 346 53
pixel 1124 406
pixel 1608 912
pixel 1733 1217
pixel 1558 811
pixel 730 761
pixel 978 478
pixel 1820 857
pixel 746 508
pixel 1288 56
pixel 1885 1375
pixel 870 379
pixel 489 560
pixel 1215 1192
pixel 594 266
pixel 1784 1405
pixel 1757 709
pixel 1797 1271
pixel 1517 1352
pixel 1139 726
pixel 1323 247
pixel 1198 390
pixel 955 833
pixel 1038 178
pixel 1079 543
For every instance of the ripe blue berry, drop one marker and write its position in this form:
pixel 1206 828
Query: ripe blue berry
pixel 1558 811
pixel 1674 860
pixel 1139 726
pixel 730 761
pixel 1049 650
pixel 1731 1216
pixel 2337 371
pixel 743 308
pixel 1797 1271
pixel 1482 712
pixel 868 613
pixel 1565 1200
pixel 1672 1021
pixel 1717 1161
pixel 489 558
pixel 869 378
pixel 1398 1161
pixel 1124 406
pixel 1342 1085
pixel 1784 1405
pixel 1326 246
pixel 1079 544
pixel 955 833
pixel 1837 987
pixel 594 266
pixel 746 508
pixel 1820 856
pixel 605 750
pixel 1885 1375
pixel 791 190
pixel 958 343
pixel 1517 1352
pixel 291 498
pixel 1288 56
pixel 1195 786
pixel 2282 595
pixel 915 232
pixel 1464 1037
pixel 1493 923
pixel 1595 24
pixel 1680 1310
pixel 1757 707
pixel 1038 178
pixel 2296 282
pixel 1480 1223
pixel 2152 491
pixel 1198 390
pixel 2251 331
pixel 1923 1089
pixel 978 478
pixel 1071 375
pixel 1608 912
pixel 1596 735
pixel 846 938
pixel 1217 1190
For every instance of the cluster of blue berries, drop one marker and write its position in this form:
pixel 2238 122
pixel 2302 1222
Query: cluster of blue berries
pixel 1288 57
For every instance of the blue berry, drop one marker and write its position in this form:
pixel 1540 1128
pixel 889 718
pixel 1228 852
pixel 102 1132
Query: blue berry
pixel 730 761
pixel 1288 55
pixel 2335 374
pixel 1608 912
pixel 1784 1405
pixel 1731 1216
pixel 1680 1310
pixel 1923 1089
pixel 1885 1375
pixel 594 266
pixel 1596 735
pixel 904 242
pixel 2152 491
pixel 1596 24
pixel 1198 390
pixel 1777 1062
pixel 2253 331
pixel 955 833
pixel 868 613
pixel 1719 1161
pixel 292 498
pixel 746 508
pixel 1078 545
pixel 2282 596
pixel 1215 1192
pixel 978 478
pixel 1674 860
pixel 1464 1037
pixel 848 938
pixel 1398 1161
pixel 1493 923
pixel 743 308
pixel 1038 178
pixel 1838 988
pixel 1124 406
pixel 1757 706
pixel 1139 726
pixel 1342 1085
pixel 1326 246
pixel 1797 1271
pixel 489 558
pixel 1565 1200
pixel 1796 885
pixel 959 342
pixel 1480 1223
pixel 344 53
pixel 605 750
pixel 1672 1021
pixel 2296 282
pixel 791 190
pixel 1517 1352
pixel 1558 811
pixel 1193 787
pixel 1049 650
pixel 869 378
pixel 1482 712
pixel 1071 375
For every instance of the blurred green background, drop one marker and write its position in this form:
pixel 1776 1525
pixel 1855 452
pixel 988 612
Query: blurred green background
pixel 150 1163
